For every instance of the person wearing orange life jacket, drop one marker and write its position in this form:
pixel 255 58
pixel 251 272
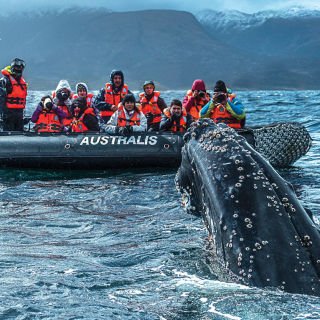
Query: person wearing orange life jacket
pixel 82 91
pixel 224 107
pixel 152 105
pixel 13 94
pixel 127 119
pixel 84 118
pixel 175 118
pixel 48 117
pixel 196 98
pixel 62 98
pixel 110 97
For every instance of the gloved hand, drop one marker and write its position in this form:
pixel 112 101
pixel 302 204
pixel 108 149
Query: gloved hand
pixel 124 131
pixel 149 117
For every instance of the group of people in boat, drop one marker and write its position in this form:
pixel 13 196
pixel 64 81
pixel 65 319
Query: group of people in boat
pixel 114 109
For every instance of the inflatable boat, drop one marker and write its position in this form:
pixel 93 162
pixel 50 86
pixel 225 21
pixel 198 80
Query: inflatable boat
pixel 282 144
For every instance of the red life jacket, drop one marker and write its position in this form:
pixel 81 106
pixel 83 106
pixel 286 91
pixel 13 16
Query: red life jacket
pixel 177 127
pixel 113 98
pixel 77 125
pixel 48 122
pixel 151 106
pixel 68 119
pixel 221 114
pixel 89 98
pixel 17 98
pixel 123 121
pixel 194 110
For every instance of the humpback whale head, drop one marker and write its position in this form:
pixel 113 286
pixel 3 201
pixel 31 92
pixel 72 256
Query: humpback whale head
pixel 260 232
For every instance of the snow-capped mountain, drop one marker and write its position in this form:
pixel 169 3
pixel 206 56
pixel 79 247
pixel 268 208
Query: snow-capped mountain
pixel 224 20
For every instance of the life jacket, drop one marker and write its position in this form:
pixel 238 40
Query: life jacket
pixel 17 98
pixel 113 98
pixel 48 122
pixel 123 121
pixel 89 98
pixel 221 114
pixel 177 127
pixel 194 110
pixel 67 120
pixel 77 125
pixel 151 106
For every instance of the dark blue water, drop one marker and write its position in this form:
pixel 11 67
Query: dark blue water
pixel 118 245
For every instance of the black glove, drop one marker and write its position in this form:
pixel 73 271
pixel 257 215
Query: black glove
pixel 149 117
pixel 175 118
pixel 124 131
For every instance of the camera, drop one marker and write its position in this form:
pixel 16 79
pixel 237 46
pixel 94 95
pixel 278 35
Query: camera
pixel 220 97
pixel 201 94
pixel 47 104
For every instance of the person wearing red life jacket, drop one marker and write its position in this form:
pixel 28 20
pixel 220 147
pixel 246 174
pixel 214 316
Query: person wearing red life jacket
pixel 109 98
pixel 48 117
pixel 127 119
pixel 82 91
pixel 224 107
pixel 62 98
pixel 13 94
pixel 196 98
pixel 152 105
pixel 175 118
pixel 83 117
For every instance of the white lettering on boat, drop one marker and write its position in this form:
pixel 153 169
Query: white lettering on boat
pixel 112 140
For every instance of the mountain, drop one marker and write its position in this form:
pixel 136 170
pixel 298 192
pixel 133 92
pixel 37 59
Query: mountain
pixel 260 51
pixel 170 47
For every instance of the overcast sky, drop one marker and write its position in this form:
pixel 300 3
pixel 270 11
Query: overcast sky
pixel 188 5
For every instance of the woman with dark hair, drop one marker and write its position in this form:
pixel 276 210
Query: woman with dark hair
pixel 127 119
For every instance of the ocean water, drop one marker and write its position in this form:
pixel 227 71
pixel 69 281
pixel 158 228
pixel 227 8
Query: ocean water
pixel 116 244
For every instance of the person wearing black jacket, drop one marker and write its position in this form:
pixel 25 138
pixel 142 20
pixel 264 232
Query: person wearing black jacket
pixel 84 118
pixel 175 118
pixel 109 98
pixel 13 93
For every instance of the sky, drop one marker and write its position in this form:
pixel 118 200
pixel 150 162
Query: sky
pixel 193 6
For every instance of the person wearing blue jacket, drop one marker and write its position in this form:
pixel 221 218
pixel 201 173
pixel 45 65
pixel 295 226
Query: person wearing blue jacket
pixel 224 107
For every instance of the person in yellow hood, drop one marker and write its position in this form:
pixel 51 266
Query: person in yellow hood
pixel 13 94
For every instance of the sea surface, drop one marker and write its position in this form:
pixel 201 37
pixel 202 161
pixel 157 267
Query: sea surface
pixel 117 244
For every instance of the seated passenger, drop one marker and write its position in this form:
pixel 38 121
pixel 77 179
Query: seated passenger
pixel 224 107
pixel 196 98
pixel 127 119
pixel 109 98
pixel 62 98
pixel 152 105
pixel 82 91
pixel 175 118
pixel 83 117
pixel 48 117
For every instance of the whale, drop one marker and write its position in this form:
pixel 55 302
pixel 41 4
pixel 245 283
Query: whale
pixel 260 233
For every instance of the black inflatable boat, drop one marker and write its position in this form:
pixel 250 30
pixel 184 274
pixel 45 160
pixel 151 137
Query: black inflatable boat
pixel 282 144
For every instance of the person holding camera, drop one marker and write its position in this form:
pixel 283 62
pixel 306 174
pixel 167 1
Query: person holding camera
pixel 47 116
pixel 127 119
pixel 83 117
pixel 175 118
pixel 62 98
pixel 196 98
pixel 224 107
pixel 152 105
pixel 13 94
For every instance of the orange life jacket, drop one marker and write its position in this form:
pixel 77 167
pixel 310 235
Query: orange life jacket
pixel 151 106
pixel 177 127
pixel 194 110
pixel 89 98
pixel 68 119
pixel 123 121
pixel 113 98
pixel 48 122
pixel 77 125
pixel 221 114
pixel 17 98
